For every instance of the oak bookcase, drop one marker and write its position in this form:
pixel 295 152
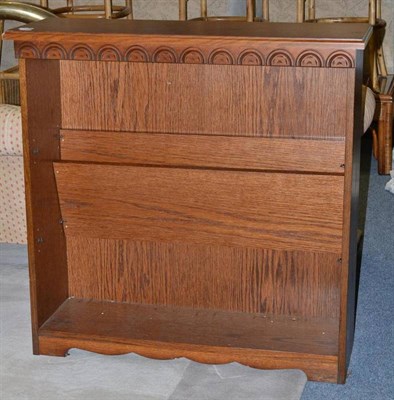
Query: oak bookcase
pixel 192 189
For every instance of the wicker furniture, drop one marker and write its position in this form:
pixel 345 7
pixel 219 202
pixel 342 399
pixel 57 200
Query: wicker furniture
pixel 103 10
pixel 383 136
pixel 250 14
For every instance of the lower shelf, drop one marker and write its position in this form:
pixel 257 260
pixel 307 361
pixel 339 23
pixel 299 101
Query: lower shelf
pixel 206 336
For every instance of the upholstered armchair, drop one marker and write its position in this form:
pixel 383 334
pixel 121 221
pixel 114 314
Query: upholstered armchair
pixel 12 197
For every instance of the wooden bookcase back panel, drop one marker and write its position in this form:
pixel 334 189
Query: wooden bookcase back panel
pixel 189 275
pixel 214 207
pixel 205 99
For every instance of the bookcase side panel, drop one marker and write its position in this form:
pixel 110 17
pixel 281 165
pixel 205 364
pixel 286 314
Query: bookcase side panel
pixel 40 97
pixel 351 214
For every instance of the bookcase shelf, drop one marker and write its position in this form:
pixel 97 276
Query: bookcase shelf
pixel 208 336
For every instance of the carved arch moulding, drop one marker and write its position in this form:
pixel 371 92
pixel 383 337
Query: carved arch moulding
pixel 187 55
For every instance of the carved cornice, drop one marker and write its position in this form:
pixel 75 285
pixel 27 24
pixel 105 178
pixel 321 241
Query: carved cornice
pixel 188 55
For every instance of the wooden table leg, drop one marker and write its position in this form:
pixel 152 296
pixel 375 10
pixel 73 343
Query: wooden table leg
pixel 383 138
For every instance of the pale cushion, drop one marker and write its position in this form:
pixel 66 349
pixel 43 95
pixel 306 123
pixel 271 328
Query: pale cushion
pixel 369 108
pixel 10 130
pixel 12 200
pixel 12 193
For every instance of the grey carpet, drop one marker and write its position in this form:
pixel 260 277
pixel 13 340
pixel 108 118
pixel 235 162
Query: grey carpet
pixel 88 376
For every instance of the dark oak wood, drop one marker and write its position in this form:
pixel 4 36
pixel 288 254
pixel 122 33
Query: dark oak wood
pixel 271 211
pixel 195 326
pixel 47 30
pixel 40 97
pixel 189 183
pixel 317 367
pixel 350 220
pixel 242 153
pixel 256 340
pixel 286 283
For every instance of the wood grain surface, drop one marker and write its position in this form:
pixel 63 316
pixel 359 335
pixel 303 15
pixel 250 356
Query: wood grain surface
pixel 183 325
pixel 49 30
pixel 201 335
pixel 263 210
pixel 245 153
pixel 317 367
pixel 205 99
pixel 194 189
pixel 350 224
pixel 248 280
pixel 40 97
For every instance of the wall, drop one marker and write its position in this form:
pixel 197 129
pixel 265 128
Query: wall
pixel 280 10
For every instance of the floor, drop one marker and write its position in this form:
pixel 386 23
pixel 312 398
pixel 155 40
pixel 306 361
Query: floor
pixel 88 376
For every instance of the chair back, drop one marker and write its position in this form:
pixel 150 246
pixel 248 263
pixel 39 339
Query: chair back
pixel 306 9
pixel 250 12
pixel 375 62
pixel 101 9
